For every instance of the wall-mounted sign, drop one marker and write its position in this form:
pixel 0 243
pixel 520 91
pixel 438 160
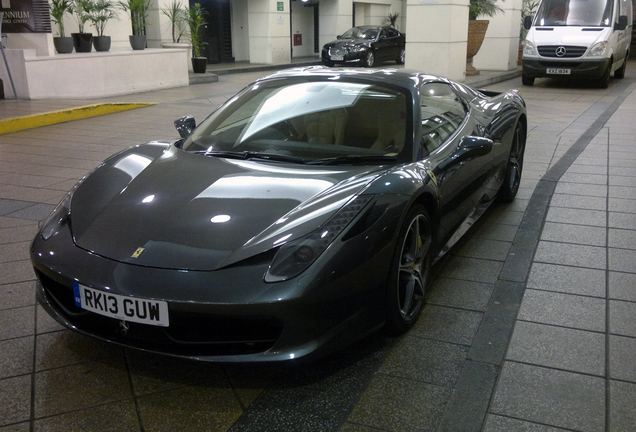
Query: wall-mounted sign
pixel 25 16
pixel 280 6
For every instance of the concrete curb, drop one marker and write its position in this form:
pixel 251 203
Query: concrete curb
pixel 15 124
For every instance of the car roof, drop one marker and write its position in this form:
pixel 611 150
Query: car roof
pixel 400 77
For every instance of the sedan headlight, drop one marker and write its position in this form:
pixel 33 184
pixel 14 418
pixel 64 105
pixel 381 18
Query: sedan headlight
pixel 598 49
pixel 528 48
pixel 58 218
pixel 295 256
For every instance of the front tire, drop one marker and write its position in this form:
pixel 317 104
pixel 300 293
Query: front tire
pixel 369 60
pixel 410 273
pixel 526 80
pixel 603 82
pixel 620 72
pixel 511 182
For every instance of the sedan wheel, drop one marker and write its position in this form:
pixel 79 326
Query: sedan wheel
pixel 369 61
pixel 411 269
pixel 510 186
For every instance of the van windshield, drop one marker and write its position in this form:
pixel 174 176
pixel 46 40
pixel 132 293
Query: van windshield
pixel 588 13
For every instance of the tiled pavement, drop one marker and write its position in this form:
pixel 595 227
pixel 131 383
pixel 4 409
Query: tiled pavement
pixel 510 340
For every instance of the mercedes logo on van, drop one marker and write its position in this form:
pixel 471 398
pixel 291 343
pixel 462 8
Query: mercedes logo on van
pixel 560 51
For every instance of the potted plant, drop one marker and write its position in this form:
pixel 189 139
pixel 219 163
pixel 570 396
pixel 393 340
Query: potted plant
pixel 138 10
pixel 177 15
pixel 59 8
pixel 477 28
pixel 102 13
pixel 392 19
pixel 82 11
pixel 196 20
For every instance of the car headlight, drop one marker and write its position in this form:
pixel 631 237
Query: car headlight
pixel 528 48
pixel 294 257
pixel 58 218
pixel 598 49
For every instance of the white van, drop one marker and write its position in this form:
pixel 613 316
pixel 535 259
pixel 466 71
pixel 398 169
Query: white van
pixel 578 38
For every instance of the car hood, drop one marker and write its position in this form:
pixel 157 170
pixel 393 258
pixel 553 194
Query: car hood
pixel 341 43
pixel 568 35
pixel 162 207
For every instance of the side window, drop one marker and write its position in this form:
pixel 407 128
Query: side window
pixel 442 114
pixel 383 34
pixel 392 32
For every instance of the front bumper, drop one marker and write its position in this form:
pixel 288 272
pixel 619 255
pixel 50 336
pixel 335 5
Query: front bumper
pixel 350 57
pixel 231 314
pixel 592 69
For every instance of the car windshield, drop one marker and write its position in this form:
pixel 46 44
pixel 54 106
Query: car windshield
pixel 589 13
pixel 358 33
pixel 300 121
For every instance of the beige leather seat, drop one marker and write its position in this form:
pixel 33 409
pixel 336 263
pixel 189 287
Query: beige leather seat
pixel 391 128
pixel 324 127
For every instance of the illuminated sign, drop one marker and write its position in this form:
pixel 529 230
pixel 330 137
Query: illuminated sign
pixel 25 16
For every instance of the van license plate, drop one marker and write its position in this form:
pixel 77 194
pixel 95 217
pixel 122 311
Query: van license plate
pixel 558 71
pixel 133 309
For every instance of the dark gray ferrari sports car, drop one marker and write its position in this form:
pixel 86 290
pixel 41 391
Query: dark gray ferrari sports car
pixel 301 215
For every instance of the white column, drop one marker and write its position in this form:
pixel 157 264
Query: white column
pixel 501 45
pixel 269 39
pixel 335 18
pixel 436 37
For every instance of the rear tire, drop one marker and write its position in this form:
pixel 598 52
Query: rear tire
pixel 400 59
pixel 510 185
pixel 410 272
pixel 620 72
pixel 526 80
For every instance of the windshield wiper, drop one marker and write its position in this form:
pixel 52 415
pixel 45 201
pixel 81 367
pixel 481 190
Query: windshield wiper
pixel 252 155
pixel 352 159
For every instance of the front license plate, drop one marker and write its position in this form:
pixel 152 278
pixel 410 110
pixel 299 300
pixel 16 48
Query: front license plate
pixel 558 71
pixel 145 311
pixel 337 58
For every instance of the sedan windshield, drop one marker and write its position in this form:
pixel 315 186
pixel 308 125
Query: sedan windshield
pixel 300 121
pixel 358 33
pixel 574 13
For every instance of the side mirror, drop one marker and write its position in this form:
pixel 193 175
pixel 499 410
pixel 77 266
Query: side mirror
pixel 622 23
pixel 185 126
pixel 527 22
pixel 339 37
pixel 471 146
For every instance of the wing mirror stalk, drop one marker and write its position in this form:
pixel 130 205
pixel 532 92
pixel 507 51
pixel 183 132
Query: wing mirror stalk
pixel 185 126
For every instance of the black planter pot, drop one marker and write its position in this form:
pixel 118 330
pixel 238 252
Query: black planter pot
pixel 63 45
pixel 101 43
pixel 137 42
pixel 82 42
pixel 199 64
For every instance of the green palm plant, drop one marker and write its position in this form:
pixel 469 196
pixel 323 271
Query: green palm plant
pixel 103 11
pixel 487 8
pixel 138 10
pixel 177 15
pixel 58 9
pixel 82 10
pixel 196 20
pixel 392 19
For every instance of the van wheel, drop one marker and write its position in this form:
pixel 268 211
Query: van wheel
pixel 603 82
pixel 526 80
pixel 620 72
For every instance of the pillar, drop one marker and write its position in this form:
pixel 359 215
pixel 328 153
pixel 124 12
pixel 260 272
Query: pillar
pixel 269 38
pixel 500 49
pixel 335 18
pixel 436 37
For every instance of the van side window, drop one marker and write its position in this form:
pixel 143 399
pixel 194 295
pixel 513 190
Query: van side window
pixel 442 114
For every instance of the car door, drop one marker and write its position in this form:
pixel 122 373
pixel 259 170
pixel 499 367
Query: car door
pixel 445 121
pixel 395 43
pixel 383 46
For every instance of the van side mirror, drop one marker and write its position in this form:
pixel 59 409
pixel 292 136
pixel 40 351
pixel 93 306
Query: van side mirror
pixel 622 23
pixel 527 22
pixel 185 126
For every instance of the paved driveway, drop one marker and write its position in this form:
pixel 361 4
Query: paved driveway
pixel 503 344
